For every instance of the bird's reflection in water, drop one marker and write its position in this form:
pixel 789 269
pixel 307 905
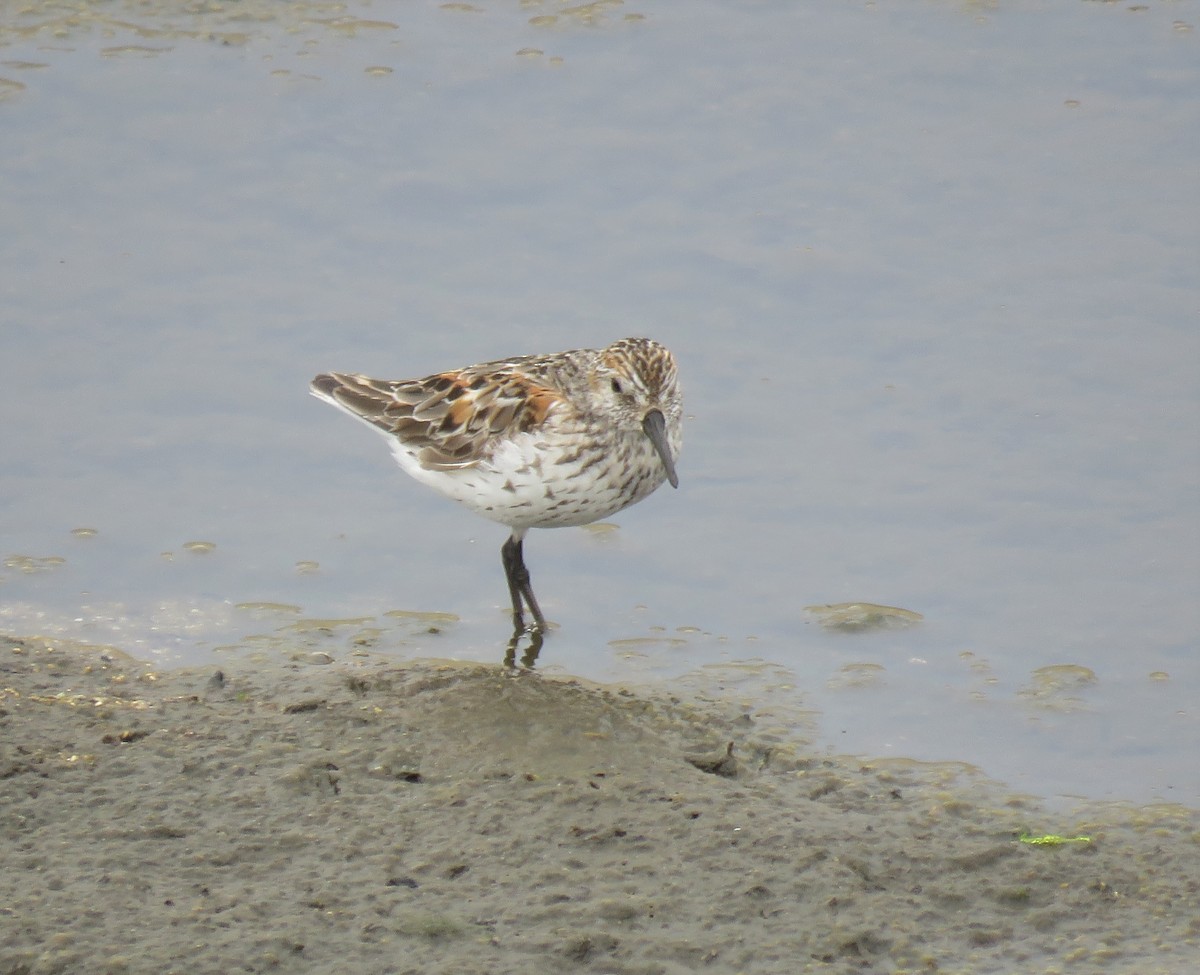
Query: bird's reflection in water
pixel 529 657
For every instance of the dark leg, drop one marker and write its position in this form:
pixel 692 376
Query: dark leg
pixel 519 587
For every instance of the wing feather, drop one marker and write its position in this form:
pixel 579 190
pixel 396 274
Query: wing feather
pixel 451 420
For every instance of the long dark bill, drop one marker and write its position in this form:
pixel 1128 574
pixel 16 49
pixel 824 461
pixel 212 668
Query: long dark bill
pixel 656 429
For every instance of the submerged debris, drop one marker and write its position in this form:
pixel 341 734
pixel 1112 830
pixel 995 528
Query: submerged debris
pixel 863 616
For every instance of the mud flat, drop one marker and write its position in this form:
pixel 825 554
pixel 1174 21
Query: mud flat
pixel 376 816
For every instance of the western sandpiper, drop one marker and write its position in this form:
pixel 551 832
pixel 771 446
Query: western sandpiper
pixel 539 441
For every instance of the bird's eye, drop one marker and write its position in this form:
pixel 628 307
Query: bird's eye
pixel 616 387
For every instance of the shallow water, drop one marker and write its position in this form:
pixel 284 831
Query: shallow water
pixel 929 273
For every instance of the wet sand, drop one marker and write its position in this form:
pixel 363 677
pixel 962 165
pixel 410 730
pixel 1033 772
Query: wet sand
pixel 381 816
